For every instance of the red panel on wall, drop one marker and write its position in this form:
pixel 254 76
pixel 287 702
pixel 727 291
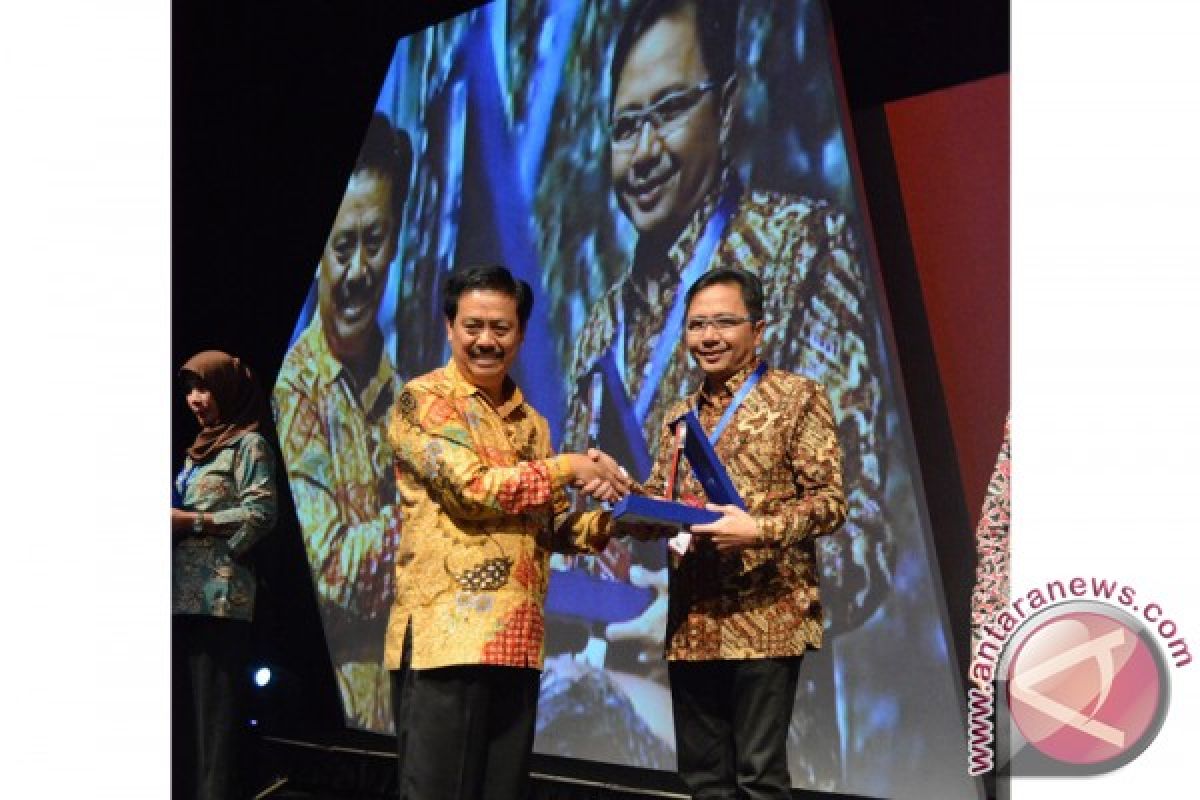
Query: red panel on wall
pixel 951 149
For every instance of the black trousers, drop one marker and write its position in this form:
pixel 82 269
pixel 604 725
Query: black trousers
pixel 210 658
pixel 731 726
pixel 464 733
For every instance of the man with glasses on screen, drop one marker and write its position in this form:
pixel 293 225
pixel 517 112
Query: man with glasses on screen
pixel 744 598
pixel 672 117
pixel 331 401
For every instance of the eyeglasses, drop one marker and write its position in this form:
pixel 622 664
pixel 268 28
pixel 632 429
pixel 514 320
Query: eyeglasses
pixel 720 324
pixel 665 115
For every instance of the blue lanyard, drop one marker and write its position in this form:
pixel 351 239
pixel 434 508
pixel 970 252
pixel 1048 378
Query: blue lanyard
pixel 631 428
pixel 747 387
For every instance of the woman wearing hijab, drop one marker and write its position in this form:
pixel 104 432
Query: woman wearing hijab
pixel 225 503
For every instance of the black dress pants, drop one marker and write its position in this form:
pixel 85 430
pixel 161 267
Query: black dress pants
pixel 210 660
pixel 464 733
pixel 731 726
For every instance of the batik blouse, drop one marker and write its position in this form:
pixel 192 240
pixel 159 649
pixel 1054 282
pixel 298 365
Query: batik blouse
pixel 211 575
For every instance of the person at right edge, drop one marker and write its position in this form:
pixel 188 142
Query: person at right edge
pixel 991 592
pixel 744 601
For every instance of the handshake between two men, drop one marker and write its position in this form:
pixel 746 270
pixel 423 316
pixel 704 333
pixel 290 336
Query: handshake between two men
pixel 600 477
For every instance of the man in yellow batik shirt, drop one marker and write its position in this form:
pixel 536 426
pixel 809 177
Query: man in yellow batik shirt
pixel 484 503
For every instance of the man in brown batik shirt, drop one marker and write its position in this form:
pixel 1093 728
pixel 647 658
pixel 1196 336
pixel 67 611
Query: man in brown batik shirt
pixel 744 600
pixel 674 99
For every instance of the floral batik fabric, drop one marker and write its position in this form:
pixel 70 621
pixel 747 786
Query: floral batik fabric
pixel 483 500
pixel 334 438
pixel 991 592
pixel 211 575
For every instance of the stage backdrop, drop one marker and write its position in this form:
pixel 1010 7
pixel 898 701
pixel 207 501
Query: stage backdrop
pixel 508 109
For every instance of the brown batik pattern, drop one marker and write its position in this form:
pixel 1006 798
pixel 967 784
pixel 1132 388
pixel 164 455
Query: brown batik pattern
pixel 781 452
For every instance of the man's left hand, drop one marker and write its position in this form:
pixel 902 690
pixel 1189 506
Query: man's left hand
pixel 735 530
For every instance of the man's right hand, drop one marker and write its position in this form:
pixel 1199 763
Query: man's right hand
pixel 599 476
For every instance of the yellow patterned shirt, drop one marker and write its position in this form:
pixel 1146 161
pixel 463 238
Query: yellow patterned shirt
pixel 484 502
pixel 334 439
pixel 781 452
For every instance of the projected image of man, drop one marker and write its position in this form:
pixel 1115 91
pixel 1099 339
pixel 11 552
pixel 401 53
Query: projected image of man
pixel 331 400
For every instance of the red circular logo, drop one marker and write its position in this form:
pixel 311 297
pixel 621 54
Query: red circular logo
pixel 1085 687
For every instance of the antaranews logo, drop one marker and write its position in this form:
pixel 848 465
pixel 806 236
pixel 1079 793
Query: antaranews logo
pixel 1081 685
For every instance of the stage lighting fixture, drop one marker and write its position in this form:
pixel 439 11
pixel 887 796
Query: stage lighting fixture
pixel 262 676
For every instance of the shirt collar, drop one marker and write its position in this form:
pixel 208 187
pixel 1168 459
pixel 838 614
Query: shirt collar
pixel 461 387
pixel 727 389
pixel 332 370
pixel 379 383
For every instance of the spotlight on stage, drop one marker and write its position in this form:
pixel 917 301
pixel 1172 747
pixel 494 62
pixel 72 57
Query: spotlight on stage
pixel 262 676
pixel 273 692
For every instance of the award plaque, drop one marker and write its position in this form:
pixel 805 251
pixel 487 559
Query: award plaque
pixel 709 471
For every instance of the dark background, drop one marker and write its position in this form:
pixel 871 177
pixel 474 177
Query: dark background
pixel 270 100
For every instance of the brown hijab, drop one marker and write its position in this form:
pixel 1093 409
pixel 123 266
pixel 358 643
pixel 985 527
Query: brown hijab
pixel 239 403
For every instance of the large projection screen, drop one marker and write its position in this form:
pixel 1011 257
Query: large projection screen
pixel 508 112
